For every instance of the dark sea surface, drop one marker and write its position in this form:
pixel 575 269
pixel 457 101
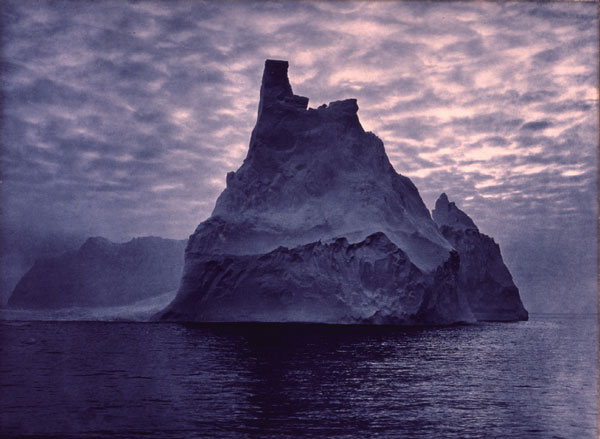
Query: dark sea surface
pixel 535 379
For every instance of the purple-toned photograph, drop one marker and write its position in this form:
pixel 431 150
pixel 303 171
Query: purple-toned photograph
pixel 298 219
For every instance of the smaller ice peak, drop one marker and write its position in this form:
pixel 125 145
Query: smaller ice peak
pixel 344 111
pixel 344 106
pixel 97 241
pixel 276 90
pixel 348 106
pixel 443 200
pixel 446 213
pixel 96 244
pixel 275 76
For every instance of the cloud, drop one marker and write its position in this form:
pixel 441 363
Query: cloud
pixel 497 122
pixel 46 91
pixel 547 56
pixel 568 106
pixel 537 96
pixel 537 125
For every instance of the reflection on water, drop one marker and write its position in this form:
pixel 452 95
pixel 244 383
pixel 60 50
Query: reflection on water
pixel 94 379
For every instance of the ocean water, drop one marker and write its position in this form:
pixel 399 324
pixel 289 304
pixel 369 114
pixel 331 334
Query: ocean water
pixel 535 379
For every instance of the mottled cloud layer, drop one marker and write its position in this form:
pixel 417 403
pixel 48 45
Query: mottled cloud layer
pixel 122 118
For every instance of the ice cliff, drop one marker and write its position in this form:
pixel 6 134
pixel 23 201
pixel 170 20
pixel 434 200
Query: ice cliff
pixel 483 276
pixel 317 226
pixel 102 273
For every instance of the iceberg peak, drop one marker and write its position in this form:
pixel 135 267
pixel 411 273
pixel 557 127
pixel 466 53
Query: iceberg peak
pixel 276 91
pixel 446 213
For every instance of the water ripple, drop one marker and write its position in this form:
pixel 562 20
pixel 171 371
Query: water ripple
pixel 533 379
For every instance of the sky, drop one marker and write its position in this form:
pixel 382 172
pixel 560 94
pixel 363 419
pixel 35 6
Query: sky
pixel 121 119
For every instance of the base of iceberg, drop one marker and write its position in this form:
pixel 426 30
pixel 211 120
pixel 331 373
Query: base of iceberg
pixel 372 281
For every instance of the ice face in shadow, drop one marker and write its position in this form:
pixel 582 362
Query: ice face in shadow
pixel 483 276
pixel 316 225
pixel 102 274
pixel 372 281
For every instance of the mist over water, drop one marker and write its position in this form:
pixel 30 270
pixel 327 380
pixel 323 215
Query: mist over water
pixel 96 379
pixel 138 311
